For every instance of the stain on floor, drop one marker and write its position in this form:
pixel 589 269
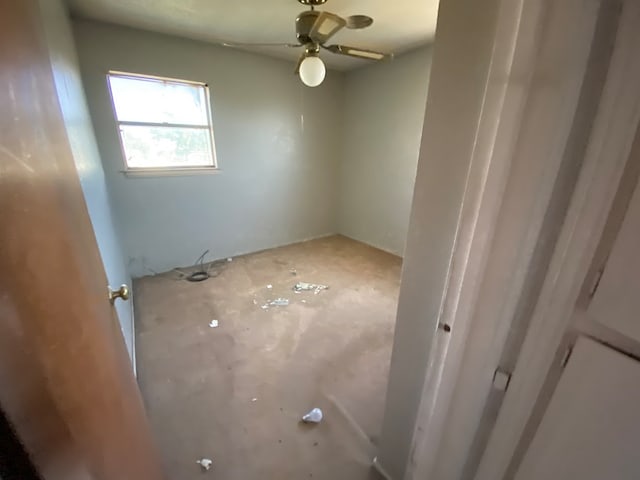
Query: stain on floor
pixel 236 393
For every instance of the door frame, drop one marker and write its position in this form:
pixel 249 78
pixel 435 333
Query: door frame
pixel 506 200
pixel 608 155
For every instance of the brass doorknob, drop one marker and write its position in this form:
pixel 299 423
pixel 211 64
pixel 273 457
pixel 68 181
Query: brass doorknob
pixel 122 293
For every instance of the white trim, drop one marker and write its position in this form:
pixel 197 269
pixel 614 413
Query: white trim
pixel 118 73
pixel 537 69
pixel 170 172
pixel 380 469
pixel 480 204
pixel 154 171
pixel 614 130
pixel 133 335
pixel 186 126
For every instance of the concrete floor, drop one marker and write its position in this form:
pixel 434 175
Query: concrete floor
pixel 236 393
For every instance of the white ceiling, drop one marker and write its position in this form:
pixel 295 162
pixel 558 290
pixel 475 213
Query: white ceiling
pixel 399 25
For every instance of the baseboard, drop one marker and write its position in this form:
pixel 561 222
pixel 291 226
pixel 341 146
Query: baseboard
pixel 380 469
pixel 373 245
pixel 134 361
pixel 240 253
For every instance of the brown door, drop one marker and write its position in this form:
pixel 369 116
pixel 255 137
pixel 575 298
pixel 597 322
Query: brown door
pixel 66 384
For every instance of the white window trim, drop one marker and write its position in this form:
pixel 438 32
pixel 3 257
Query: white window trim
pixel 164 171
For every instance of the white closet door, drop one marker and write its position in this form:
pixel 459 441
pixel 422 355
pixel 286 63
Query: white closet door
pixel 591 429
pixel 616 303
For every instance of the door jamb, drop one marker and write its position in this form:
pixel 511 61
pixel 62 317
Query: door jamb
pixel 503 114
pixel 608 154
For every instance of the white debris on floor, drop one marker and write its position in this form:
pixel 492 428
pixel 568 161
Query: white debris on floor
pixel 314 416
pixel 205 463
pixel 278 302
pixel 308 287
pixel 213 324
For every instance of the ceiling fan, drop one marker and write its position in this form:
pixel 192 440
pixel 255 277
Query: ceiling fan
pixel 313 30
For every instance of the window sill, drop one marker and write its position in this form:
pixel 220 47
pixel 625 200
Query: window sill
pixel 170 172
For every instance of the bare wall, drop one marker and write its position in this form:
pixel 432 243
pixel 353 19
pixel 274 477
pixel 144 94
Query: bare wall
pixel 278 147
pixel 383 117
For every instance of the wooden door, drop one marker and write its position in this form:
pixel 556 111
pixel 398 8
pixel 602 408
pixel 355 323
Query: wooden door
pixel 66 386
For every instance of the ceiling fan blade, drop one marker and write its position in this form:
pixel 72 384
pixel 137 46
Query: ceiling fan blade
pixel 240 44
pixel 356 22
pixel 359 52
pixel 326 26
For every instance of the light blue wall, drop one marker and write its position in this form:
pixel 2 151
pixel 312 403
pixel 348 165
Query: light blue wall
pixel 85 151
pixel 383 117
pixel 278 179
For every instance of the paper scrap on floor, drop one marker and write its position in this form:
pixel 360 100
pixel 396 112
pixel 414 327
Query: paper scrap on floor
pixel 205 463
pixel 308 287
pixel 278 302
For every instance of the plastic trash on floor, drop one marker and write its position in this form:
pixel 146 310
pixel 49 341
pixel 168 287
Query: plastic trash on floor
pixel 205 463
pixel 314 416
pixel 308 287
pixel 213 324
pixel 278 302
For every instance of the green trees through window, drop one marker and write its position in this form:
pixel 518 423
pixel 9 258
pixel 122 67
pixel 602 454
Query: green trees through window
pixel 163 123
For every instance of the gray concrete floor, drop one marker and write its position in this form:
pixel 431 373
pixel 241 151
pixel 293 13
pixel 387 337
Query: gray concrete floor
pixel 236 393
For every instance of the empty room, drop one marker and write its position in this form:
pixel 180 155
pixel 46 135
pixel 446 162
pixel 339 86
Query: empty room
pixel 319 239
pixel 259 197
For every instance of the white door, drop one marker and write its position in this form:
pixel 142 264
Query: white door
pixel 616 303
pixel 591 428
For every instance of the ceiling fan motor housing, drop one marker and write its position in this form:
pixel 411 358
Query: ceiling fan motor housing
pixel 304 23
pixel 313 3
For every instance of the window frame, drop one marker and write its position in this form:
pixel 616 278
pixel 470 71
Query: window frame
pixel 163 170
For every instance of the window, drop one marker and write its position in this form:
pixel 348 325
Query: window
pixel 164 124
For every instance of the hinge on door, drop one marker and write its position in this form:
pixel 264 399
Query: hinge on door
pixel 596 282
pixel 501 379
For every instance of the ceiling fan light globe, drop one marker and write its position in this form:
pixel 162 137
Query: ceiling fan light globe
pixel 312 71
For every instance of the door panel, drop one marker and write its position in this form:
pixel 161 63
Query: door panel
pixel 75 113
pixel 66 385
pixel 591 428
pixel 616 302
